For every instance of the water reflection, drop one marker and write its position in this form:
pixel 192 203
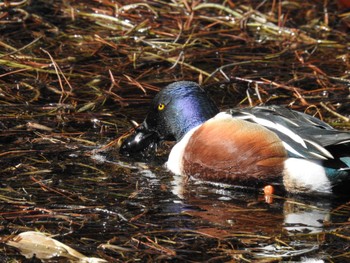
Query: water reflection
pixel 306 217
pixel 240 212
pixel 288 227
pixel 294 214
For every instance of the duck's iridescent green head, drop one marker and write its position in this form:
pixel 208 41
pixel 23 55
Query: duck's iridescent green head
pixel 175 110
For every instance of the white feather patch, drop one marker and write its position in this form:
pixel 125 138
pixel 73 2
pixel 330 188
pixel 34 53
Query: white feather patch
pixel 174 163
pixel 175 160
pixel 305 176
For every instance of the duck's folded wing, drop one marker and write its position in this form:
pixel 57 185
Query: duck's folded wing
pixel 304 136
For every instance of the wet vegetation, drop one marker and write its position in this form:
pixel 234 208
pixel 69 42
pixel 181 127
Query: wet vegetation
pixel 73 74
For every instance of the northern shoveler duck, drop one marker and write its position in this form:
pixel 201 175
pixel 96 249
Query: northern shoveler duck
pixel 251 146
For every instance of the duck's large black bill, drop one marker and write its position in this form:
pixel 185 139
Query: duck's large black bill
pixel 141 143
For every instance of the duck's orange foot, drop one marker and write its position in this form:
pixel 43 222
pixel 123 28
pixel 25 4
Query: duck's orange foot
pixel 268 192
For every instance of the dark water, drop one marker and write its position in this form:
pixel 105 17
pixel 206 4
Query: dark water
pixel 126 211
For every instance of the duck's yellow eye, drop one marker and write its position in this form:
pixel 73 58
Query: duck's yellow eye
pixel 161 106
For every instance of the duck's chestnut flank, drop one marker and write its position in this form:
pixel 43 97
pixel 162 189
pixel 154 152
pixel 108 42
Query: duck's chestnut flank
pixel 243 152
pixel 244 146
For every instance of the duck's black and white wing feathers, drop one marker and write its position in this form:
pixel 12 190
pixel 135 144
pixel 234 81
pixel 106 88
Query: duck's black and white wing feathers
pixel 303 136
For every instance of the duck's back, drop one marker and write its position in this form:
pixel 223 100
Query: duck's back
pixel 306 137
